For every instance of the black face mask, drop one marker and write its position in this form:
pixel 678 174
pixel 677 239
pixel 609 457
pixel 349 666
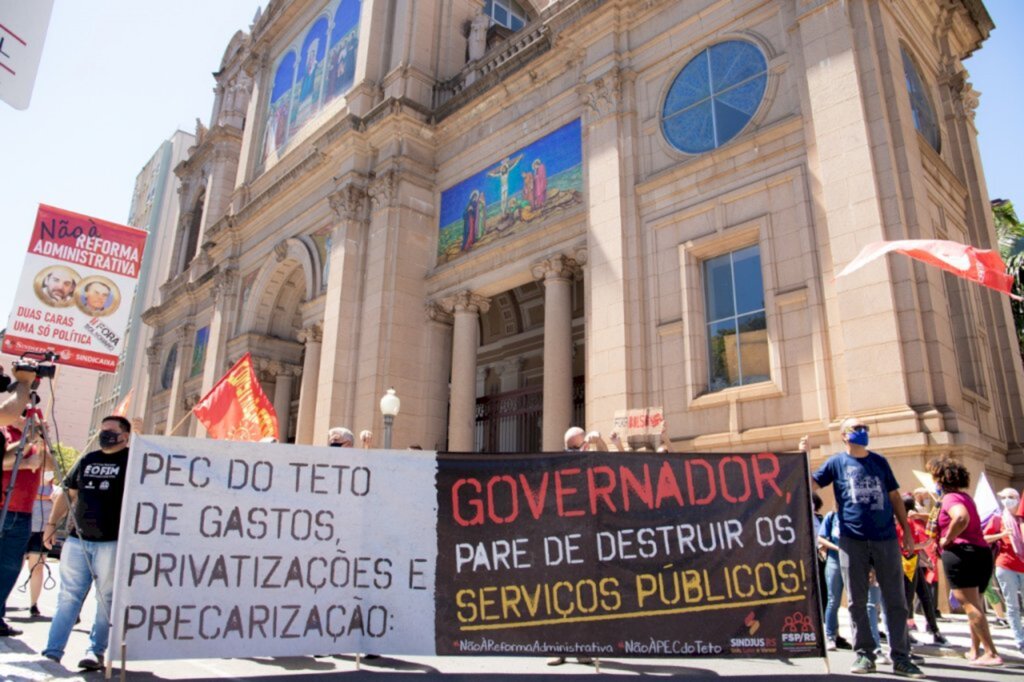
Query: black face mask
pixel 109 439
pixel 335 445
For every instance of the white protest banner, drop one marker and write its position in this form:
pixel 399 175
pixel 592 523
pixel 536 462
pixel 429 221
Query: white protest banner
pixel 244 549
pixel 76 289
pixel 645 421
pixel 22 34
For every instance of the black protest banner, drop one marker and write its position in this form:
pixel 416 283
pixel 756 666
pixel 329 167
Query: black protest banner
pixel 626 554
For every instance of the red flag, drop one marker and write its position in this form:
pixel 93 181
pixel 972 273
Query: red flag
pixel 983 266
pixel 122 408
pixel 236 408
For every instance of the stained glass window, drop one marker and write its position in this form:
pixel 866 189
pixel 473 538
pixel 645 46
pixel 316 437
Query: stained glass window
pixel 714 96
pixel 925 120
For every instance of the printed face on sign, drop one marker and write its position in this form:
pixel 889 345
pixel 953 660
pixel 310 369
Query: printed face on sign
pixel 98 296
pixel 55 286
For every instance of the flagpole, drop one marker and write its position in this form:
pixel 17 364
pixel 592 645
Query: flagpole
pixel 178 425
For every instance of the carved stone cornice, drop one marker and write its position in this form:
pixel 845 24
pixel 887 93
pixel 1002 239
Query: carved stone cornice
pixel 466 302
pixel 605 94
pixel 383 190
pixel 281 250
pixel 436 312
pixel 349 202
pixel 555 268
pixel 270 370
pixel 224 280
pixel 314 333
pixel 184 334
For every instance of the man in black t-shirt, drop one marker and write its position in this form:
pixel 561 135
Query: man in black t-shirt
pixel 94 489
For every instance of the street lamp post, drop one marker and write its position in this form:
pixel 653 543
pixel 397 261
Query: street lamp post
pixel 389 406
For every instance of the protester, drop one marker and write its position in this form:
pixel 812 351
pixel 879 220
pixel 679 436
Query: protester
pixel 913 574
pixel 828 538
pixel 340 437
pixel 94 490
pixel 18 524
pixel 966 556
pixel 1005 530
pixel 924 504
pixel 35 553
pixel 867 498
pixel 576 440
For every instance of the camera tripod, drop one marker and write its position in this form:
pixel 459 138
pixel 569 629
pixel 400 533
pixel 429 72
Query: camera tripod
pixel 33 424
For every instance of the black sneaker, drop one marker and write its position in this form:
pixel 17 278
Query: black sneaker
pixel 33 611
pixel 8 630
pixel 862 666
pixel 906 669
pixel 939 640
pixel 843 644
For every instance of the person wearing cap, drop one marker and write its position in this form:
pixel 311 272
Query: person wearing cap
pixel 1005 530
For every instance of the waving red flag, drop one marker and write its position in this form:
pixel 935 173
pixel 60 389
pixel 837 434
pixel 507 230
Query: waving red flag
pixel 236 408
pixel 983 266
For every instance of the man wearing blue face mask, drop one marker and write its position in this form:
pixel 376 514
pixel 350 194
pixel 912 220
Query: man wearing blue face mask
pixel 94 490
pixel 867 498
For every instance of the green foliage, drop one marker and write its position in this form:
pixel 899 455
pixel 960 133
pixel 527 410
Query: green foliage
pixel 1010 233
pixel 65 457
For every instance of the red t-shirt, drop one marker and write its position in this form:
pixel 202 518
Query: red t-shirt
pixel 1006 558
pixel 26 485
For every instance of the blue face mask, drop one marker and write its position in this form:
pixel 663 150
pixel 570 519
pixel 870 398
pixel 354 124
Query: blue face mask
pixel 858 438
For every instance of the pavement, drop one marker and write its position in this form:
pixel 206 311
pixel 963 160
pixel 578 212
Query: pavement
pixel 20 660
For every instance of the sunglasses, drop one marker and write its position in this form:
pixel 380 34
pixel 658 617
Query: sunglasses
pixel 859 427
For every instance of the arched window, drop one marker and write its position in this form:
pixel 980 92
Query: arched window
pixel 192 237
pixel 167 375
pixel 925 120
pixel 714 96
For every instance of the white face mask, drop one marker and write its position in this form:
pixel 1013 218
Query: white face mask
pixel 1011 503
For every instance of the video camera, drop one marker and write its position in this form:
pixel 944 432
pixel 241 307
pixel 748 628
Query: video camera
pixel 44 368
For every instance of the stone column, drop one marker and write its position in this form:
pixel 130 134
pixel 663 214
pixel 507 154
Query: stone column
pixel 614 278
pixel 146 399
pixel 283 399
pixel 221 323
pixel 175 403
pixel 439 357
pixel 342 307
pixel 557 273
pixel 466 308
pixel 311 336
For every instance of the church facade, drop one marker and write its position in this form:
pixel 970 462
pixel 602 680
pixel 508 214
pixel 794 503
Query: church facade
pixel 529 214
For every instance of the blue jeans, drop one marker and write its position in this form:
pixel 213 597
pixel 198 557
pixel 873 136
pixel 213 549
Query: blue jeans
pixel 17 529
pixel 834 585
pixel 76 559
pixel 1012 584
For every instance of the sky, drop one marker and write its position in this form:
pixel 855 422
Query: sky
pixel 118 77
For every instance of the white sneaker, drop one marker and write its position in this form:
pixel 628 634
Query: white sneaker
pixel 881 658
pixel 830 645
pixel 91 661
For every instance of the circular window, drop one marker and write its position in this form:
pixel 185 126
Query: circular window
pixel 925 120
pixel 167 376
pixel 714 96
